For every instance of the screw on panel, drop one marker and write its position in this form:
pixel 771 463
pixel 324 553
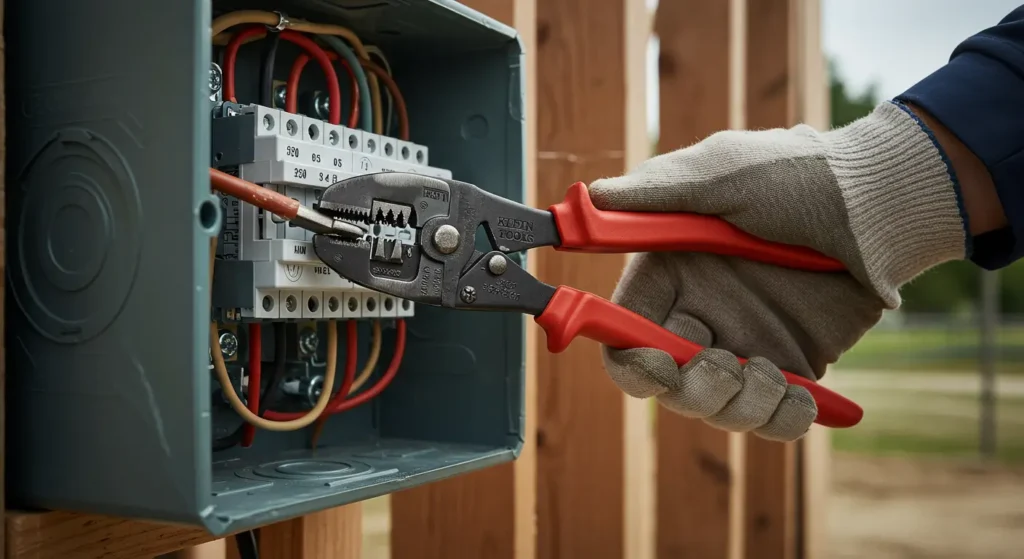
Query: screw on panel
pixel 308 341
pixel 216 78
pixel 314 388
pixel 228 344
pixel 321 105
pixel 446 239
pixel 280 95
pixel 468 294
pixel 497 264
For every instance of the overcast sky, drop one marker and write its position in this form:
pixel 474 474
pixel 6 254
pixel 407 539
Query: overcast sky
pixel 891 43
pixel 894 43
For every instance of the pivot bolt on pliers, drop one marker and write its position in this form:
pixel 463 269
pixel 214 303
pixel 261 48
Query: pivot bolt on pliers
pixel 420 245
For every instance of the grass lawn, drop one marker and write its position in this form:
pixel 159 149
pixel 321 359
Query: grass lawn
pixel 933 349
pixel 928 423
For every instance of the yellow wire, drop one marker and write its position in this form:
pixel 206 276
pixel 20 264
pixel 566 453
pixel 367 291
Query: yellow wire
pixel 229 389
pixel 371 361
pixel 232 19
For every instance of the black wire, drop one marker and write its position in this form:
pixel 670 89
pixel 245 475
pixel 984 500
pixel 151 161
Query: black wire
pixel 267 71
pixel 248 547
pixel 273 387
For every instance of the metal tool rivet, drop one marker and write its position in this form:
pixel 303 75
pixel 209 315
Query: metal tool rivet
pixel 228 344
pixel 468 294
pixel 497 264
pixel 446 239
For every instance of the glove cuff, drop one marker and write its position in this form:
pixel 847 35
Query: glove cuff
pixel 901 195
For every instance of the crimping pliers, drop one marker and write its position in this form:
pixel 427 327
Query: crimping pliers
pixel 420 245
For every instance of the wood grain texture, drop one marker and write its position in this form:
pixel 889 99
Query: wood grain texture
pixel 771 514
pixel 216 549
pixel 698 481
pixel 65 534
pixel 815 450
pixel 490 513
pixel 583 131
pixel 331 534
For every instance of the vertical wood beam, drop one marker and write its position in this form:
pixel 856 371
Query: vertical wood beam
pixel 814 457
pixel 335 533
pixel 785 85
pixel 490 513
pixel 701 74
pixel 585 467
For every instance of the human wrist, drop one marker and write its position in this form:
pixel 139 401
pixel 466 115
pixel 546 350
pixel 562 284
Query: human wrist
pixel 901 194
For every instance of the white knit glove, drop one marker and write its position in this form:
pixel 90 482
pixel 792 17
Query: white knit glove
pixel 876 195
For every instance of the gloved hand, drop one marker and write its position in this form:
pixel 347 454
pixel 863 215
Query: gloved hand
pixel 876 195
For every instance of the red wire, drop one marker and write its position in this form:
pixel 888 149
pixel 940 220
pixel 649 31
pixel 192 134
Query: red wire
pixel 339 403
pixel 351 355
pixel 294 37
pixel 255 371
pixel 292 91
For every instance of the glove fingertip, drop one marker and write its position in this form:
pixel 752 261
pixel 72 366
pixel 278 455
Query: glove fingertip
pixel 639 372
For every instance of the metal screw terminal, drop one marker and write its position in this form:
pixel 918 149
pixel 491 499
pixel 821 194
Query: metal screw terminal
pixel 280 95
pixel 446 239
pixel 216 78
pixel 468 294
pixel 308 388
pixel 322 105
pixel 308 341
pixel 497 264
pixel 314 388
pixel 228 344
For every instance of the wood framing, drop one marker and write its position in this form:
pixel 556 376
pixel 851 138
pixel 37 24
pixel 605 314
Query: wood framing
pixel 488 513
pixel 334 533
pixel 785 84
pixel 700 481
pixel 66 534
pixel 771 488
pixel 588 472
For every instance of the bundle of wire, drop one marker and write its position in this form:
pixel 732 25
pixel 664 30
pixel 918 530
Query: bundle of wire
pixel 366 112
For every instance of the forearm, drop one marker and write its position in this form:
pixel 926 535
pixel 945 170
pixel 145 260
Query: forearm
pixel 977 191
pixel 974 108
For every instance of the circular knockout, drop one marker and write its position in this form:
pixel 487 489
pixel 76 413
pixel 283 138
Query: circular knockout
pixel 76 237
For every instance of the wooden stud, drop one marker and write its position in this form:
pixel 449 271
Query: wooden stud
pixel 700 482
pixel 814 451
pixel 785 85
pixel 216 549
pixel 67 534
pixel 334 533
pixel 585 467
pixel 490 513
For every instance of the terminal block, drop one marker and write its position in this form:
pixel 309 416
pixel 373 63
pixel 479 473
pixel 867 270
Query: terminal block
pixel 267 268
pixel 118 400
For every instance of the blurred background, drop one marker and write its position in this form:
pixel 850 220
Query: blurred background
pixel 937 467
pixel 936 470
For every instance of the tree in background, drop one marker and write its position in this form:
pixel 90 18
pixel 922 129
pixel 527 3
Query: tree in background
pixel 952 287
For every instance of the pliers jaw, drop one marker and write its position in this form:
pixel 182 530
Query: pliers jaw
pixel 421 241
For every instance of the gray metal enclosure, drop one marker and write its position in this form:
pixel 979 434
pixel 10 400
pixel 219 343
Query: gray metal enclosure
pixel 108 223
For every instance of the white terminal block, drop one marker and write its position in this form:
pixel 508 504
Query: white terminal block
pixel 300 157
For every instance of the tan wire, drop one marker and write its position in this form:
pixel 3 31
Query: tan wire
pixel 271 19
pixel 371 360
pixel 229 389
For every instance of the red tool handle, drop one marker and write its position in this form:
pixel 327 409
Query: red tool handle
pixel 584 228
pixel 572 313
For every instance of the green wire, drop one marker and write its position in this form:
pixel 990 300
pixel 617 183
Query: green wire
pixel 365 103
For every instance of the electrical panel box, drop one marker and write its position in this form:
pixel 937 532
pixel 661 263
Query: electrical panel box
pixel 113 404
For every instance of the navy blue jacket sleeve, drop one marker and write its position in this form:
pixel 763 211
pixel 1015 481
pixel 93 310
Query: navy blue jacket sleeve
pixel 979 96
